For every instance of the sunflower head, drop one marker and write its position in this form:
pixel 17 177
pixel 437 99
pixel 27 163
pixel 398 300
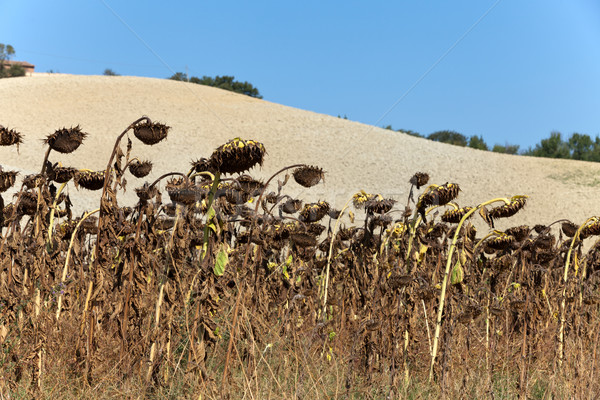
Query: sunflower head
pixel 569 228
pixel 7 179
pixel 8 137
pixel 360 199
pixel 379 205
pixel 60 174
pixel 181 190
pixel 150 133
pixel 90 180
pixel 66 140
pixel 140 169
pixel 314 212
pixel 237 156
pixel 419 179
pixel 308 176
pixel 454 216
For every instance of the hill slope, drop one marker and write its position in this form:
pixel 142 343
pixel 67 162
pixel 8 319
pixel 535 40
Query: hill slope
pixel 355 156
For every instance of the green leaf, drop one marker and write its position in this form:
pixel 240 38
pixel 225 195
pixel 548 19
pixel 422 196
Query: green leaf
pixel 221 262
pixel 289 260
pixel 457 274
pixel 285 272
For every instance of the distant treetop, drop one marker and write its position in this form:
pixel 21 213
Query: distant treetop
pixel 222 82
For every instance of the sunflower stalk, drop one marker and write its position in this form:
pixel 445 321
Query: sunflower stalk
pixel 442 299
pixel 561 329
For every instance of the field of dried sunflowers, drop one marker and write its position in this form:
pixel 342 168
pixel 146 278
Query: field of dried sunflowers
pixel 233 289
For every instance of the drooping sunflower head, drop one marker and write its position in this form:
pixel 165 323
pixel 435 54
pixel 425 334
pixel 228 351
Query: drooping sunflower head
pixel 66 140
pixel 90 180
pixel 8 137
pixel 237 156
pixel 569 228
pixel 203 165
pixel 454 216
pixel 508 210
pixel 438 195
pixel 592 229
pixel 360 199
pixel 419 179
pixel 520 232
pixel 314 212
pixel 181 190
pixel 308 176
pixel 500 242
pixel 379 205
pixel 150 133
pixel 60 174
pixel 140 169
pixel 7 179
pixel 291 206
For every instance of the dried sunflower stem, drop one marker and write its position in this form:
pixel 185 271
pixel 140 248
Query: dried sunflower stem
pixel 336 227
pixel 239 296
pixel 561 329
pixel 58 192
pixel 438 324
pixel 68 258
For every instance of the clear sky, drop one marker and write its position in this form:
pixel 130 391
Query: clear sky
pixel 509 70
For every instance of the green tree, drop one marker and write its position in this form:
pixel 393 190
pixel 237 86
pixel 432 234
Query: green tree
pixel 581 146
pixel 506 149
pixel 180 76
pixel 477 142
pixel 6 52
pixel 553 147
pixel 450 137
pixel 229 83
pixel 110 72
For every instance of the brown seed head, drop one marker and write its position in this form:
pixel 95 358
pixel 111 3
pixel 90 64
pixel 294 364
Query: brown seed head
pixel 569 228
pixel 454 216
pixel 8 137
pixel 308 176
pixel 66 140
pixel 62 174
pixel 437 195
pixel 314 212
pixel 140 169
pixel 150 133
pixel 90 180
pixel 419 179
pixel 7 179
pixel 237 156
pixel 379 205
pixel 508 210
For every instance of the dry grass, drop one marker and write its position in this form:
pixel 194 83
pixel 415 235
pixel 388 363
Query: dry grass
pixel 226 293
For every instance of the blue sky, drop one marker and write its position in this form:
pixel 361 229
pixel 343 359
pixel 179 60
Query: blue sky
pixel 510 71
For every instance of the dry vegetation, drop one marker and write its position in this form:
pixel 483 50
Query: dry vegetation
pixel 232 288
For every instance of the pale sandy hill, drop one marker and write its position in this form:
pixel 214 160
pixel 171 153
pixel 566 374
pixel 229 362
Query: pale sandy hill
pixel 355 156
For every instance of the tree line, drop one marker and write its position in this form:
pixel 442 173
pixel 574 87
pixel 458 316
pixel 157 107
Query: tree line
pixel 578 146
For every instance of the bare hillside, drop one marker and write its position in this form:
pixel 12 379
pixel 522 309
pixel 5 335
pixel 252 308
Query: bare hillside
pixel 355 156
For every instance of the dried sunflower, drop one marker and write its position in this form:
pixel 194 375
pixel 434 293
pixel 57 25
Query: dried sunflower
pixel 308 176
pixel 28 203
pixel 8 137
pixel 520 233
pixel 237 156
pixel 592 229
pixel 419 179
pixel 510 209
pixel 291 206
pixel 379 205
pixel 90 180
pixel 202 165
pixel 181 190
pixel 66 140
pixel 438 195
pixel 61 174
pixel 7 179
pixel 569 228
pixel 140 169
pixel 501 242
pixel 360 199
pixel 250 185
pixel 150 133
pixel 146 192
pixel 454 216
pixel 314 212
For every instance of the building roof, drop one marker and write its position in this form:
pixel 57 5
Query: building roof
pixel 23 64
